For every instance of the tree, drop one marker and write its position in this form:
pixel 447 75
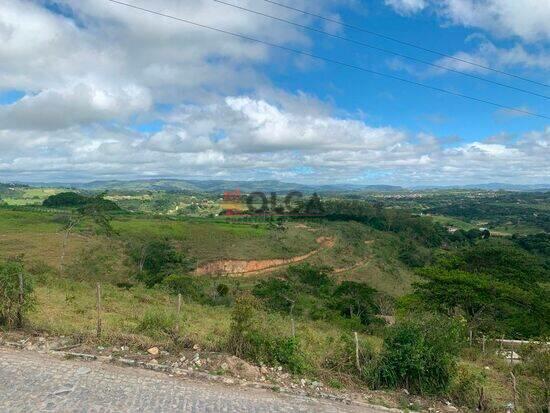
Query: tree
pixel 488 304
pixel 354 299
pixel 157 259
pixel 96 212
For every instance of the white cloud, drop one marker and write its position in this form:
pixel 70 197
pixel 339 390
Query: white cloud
pixel 124 54
pixel 83 103
pixel 406 7
pixel 244 137
pixel 526 19
pixel 488 54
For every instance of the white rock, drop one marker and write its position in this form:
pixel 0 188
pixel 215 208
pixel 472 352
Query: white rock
pixel 153 351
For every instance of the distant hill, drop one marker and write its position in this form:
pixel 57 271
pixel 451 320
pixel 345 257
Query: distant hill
pixel 493 186
pixel 218 186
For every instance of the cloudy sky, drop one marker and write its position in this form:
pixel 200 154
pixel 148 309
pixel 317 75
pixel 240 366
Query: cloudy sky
pixel 90 89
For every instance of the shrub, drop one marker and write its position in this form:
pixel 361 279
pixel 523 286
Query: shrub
pixel 419 355
pixel 251 337
pixel 11 310
pixel 341 355
pixel 185 285
pixel 465 387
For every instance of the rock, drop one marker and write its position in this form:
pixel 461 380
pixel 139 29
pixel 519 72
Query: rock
pixel 100 348
pixel 82 370
pixel 302 382
pixel 41 340
pixel 154 361
pixel 240 368
pixel 153 351
pixel 164 353
pixel 196 347
pixel 198 363
pixel 224 366
pixel 279 368
pixel 182 359
pixel 124 348
pixel 264 370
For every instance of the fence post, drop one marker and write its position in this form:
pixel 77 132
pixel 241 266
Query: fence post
pixel 21 301
pixel 98 291
pixel 357 352
pixel 178 315
pixel 514 388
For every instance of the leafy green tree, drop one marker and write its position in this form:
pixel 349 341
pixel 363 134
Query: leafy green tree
pixel 157 259
pixel 502 261
pixel 354 299
pixel 488 304
pixel 96 212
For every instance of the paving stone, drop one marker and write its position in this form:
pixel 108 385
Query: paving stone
pixel 31 382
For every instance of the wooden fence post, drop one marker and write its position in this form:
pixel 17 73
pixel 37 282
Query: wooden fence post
pixel 21 301
pixel 98 291
pixel 357 363
pixel 515 391
pixel 178 315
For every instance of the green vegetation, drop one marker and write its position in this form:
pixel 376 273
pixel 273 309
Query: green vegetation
pixel 364 262
pixel 16 297
pixel 418 354
pixel 73 199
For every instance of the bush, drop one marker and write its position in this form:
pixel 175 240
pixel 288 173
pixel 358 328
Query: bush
pixel 341 355
pixel 251 337
pixel 10 307
pixel 465 387
pixel 185 285
pixel 419 355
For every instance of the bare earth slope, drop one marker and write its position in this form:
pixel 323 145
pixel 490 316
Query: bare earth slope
pixel 31 381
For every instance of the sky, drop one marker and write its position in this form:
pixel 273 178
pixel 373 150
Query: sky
pixel 91 90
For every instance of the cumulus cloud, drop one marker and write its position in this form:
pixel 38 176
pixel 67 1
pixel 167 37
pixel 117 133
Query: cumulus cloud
pixel 83 103
pixel 104 49
pixel 527 19
pixel 89 72
pixel 244 136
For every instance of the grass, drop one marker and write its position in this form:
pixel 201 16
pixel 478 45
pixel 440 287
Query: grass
pixel 210 240
pixel 453 222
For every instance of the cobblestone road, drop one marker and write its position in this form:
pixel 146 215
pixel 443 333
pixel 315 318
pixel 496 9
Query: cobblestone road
pixel 31 382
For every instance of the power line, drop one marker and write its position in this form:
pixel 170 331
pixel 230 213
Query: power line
pixel 329 60
pixel 396 40
pixel 380 49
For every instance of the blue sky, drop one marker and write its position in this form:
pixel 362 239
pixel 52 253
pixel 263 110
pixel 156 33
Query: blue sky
pixel 97 90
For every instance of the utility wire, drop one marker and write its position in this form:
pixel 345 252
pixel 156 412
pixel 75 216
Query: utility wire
pixel 396 40
pixel 380 49
pixel 329 60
